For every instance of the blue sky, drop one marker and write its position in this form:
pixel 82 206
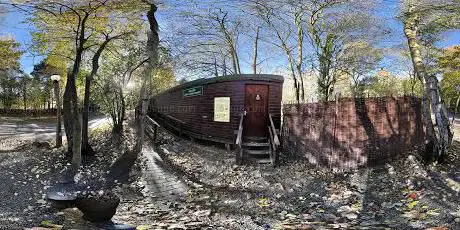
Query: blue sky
pixel 14 26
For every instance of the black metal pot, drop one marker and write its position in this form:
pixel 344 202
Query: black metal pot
pixel 98 208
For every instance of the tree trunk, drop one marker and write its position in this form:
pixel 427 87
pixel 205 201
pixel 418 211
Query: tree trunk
pixel 152 48
pixel 95 67
pixel 300 37
pixel 234 60
pixel 67 117
pixel 237 60
pixel 441 137
pixel 86 148
pixel 224 67
pixel 256 43
pixel 216 71
pixel 72 120
pixel 455 110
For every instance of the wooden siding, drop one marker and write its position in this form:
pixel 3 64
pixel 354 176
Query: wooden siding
pixel 198 111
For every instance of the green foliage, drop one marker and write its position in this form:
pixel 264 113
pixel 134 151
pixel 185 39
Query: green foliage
pixel 384 85
pixel 449 62
pixel 9 88
pixel 9 71
pixel 449 84
pixel 9 54
pixel 412 86
pixel 359 59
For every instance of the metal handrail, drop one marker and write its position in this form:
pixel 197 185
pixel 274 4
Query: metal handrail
pixel 272 146
pixel 239 137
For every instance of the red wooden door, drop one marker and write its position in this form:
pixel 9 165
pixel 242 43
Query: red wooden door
pixel 256 106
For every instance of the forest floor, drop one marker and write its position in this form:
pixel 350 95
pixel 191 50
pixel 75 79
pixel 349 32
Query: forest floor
pixel 403 194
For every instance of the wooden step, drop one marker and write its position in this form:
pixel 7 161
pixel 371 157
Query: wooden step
pixel 256 144
pixel 255 139
pixel 257 152
pixel 264 161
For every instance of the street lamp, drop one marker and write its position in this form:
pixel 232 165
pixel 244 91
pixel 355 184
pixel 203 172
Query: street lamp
pixel 56 79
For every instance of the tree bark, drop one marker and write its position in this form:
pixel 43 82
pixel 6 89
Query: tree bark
pixel 153 42
pixel 58 114
pixel 86 148
pixel 256 44
pixel 216 71
pixel 455 110
pixel 234 60
pixel 441 137
pixel 300 37
pixel 224 67
pixel 72 120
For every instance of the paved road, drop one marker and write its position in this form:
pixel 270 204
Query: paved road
pixel 40 129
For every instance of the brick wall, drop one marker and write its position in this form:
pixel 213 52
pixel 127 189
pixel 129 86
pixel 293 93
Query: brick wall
pixel 353 132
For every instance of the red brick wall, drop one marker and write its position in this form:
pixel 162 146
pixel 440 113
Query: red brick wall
pixel 198 111
pixel 353 132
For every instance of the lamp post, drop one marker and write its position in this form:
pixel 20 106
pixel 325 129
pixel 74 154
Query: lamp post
pixel 55 79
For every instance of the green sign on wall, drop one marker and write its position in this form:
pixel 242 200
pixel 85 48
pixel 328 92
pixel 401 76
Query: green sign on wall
pixel 194 91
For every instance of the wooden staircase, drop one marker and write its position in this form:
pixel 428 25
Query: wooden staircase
pixel 263 150
pixel 257 149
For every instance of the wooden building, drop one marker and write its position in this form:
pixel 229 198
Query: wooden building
pixel 220 108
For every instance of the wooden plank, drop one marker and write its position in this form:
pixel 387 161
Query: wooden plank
pixel 208 138
pixel 174 119
pixel 150 120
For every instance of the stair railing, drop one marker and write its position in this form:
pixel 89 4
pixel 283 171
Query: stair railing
pixel 152 128
pixel 274 140
pixel 239 141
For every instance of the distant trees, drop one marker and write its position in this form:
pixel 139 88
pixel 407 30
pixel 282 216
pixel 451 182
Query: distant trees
pixel 75 30
pixel 449 62
pixel 359 60
pixel 210 37
pixel 10 73
pixel 314 36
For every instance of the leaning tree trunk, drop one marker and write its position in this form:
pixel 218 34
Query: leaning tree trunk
pixel 441 137
pixel 86 148
pixel 256 49
pixel 152 48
